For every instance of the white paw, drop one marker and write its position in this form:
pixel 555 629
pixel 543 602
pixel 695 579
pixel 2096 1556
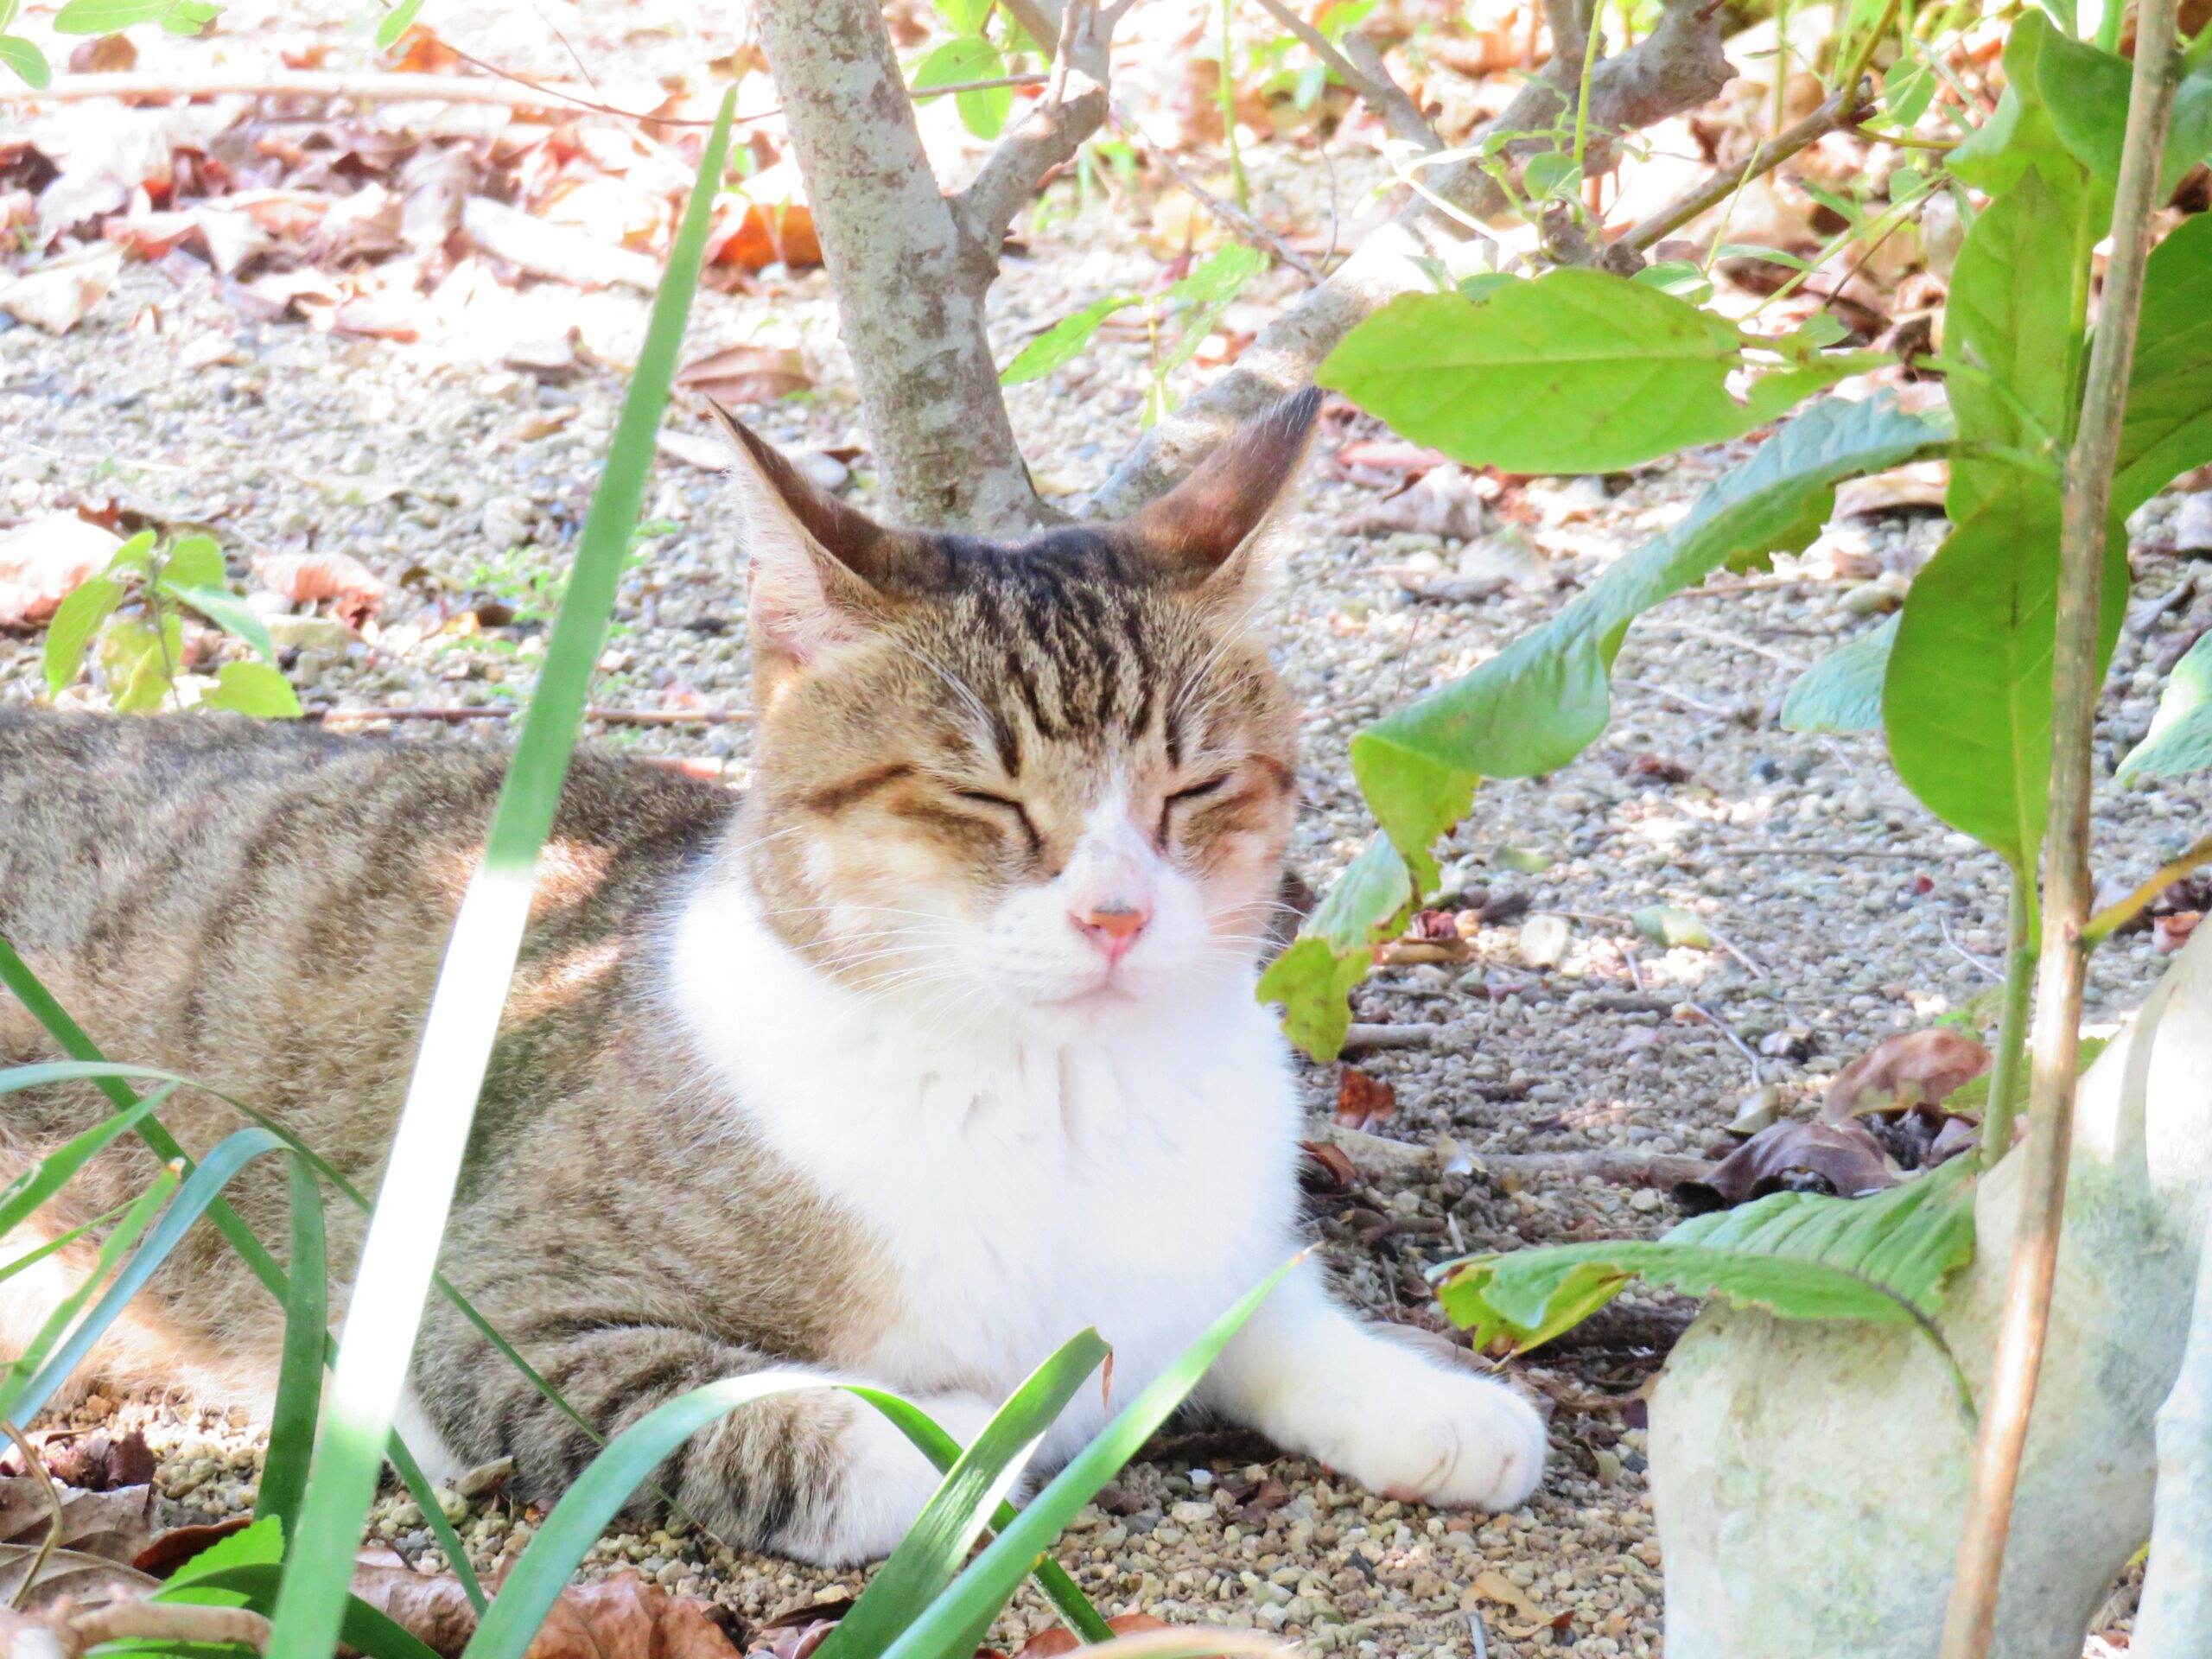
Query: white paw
pixel 887 1480
pixel 1451 1438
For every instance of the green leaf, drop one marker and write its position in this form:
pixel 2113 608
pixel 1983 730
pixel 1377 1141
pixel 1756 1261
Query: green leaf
pixel 940 1540
pixel 2168 428
pixel 964 16
pixel 1842 692
pixel 1545 697
pixel 228 611
pixel 131 558
pixel 1572 371
pixel 1479 285
pixel 140 661
pixel 193 561
pixel 1760 251
pixel 1061 342
pixel 1683 278
pixel 26 60
pixel 1219 276
pixel 189 16
pixel 1907 91
pixel 2180 738
pixel 261 1544
pixel 88 604
pixel 2016 310
pixel 424 1162
pixel 1669 925
pixel 1967 701
pixel 1549 174
pixel 969 57
pixel 1330 954
pixel 2018 134
pixel 52 1172
pixel 299 1373
pixel 397 22
pixel 1799 1255
pixel 2085 90
pixel 106 16
pixel 253 688
pixel 955 1621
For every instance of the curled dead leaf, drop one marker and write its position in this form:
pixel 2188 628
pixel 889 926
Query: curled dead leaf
pixel 746 374
pixel 57 296
pixel 1916 1068
pixel 350 589
pixel 1328 1168
pixel 1045 1644
pixel 43 562
pixel 1844 1159
pixel 1362 1100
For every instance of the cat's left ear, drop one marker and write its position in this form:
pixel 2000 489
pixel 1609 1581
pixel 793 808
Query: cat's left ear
pixel 1204 533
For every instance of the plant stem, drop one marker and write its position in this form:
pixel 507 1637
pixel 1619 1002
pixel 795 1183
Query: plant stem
pixel 1225 95
pixel 2101 925
pixel 1590 45
pixel 2012 1027
pixel 1971 1620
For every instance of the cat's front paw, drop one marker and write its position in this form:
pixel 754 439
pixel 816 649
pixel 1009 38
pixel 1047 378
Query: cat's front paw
pixel 1444 1438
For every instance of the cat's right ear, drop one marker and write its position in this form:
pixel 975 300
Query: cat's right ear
pixel 809 554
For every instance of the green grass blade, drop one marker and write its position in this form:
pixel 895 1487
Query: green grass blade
pixel 399 1255
pixel 953 1625
pixel 200 1189
pixel 90 1066
pixel 36 1185
pixel 940 1539
pixel 54 1245
pixel 18 1379
pixel 299 1372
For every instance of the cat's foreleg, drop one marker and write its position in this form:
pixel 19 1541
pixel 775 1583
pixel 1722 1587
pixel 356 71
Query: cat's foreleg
pixel 1316 1380
pixel 816 1474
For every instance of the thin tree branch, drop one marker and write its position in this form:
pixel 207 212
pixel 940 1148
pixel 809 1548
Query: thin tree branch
pixel 1677 66
pixel 1051 131
pixel 1842 108
pixel 163 1621
pixel 1970 1621
pixel 1400 115
pixel 1238 223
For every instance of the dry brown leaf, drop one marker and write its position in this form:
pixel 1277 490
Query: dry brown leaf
pixel 107 55
pixel 173 1548
pixel 1446 502
pixel 1844 1159
pixel 57 296
pixel 114 1525
pixel 1331 1170
pixel 767 234
pixel 559 251
pixel 1491 1585
pixel 95 1462
pixel 792 1641
pixel 746 374
pixel 83 1578
pixel 1919 484
pixel 1045 1644
pixel 1362 1100
pixel 43 562
pixel 353 590
pixel 1917 1068
pixel 622 1618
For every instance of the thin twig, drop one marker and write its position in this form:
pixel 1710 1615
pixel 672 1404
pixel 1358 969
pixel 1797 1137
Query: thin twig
pixel 1943 926
pixel 1839 110
pixel 34 1464
pixel 175 1623
pixel 1239 223
pixel 1970 1620
pixel 2101 925
pixel 1400 115
pixel 604 716
pixel 1739 1045
pixel 1050 131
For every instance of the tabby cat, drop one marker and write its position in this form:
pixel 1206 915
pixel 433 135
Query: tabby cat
pixel 937 1046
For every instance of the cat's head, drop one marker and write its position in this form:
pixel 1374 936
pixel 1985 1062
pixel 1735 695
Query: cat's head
pixel 1046 783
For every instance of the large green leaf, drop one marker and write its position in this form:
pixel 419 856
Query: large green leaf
pixel 89 604
pixel 29 63
pixel 2168 428
pixel 1799 1255
pixel 1967 701
pixel 2180 738
pixel 106 16
pixel 1546 696
pixel 970 57
pixel 2019 134
pixel 935 1547
pixel 253 688
pixel 1574 371
pixel 398 1256
pixel 2085 90
pixel 2016 311
pixel 1842 692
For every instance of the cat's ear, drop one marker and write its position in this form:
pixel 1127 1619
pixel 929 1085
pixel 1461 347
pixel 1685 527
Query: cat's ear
pixel 810 555
pixel 1204 531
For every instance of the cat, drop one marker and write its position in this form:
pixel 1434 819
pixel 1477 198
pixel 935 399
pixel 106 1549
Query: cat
pixel 938 1047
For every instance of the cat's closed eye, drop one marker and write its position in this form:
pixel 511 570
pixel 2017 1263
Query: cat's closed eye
pixel 1183 797
pixel 1009 808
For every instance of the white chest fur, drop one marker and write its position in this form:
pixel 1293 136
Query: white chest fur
pixel 1139 1178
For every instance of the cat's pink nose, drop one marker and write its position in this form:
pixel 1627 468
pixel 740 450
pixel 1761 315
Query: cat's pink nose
pixel 1111 928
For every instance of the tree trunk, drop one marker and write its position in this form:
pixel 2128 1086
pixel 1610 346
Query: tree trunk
pixel 910 284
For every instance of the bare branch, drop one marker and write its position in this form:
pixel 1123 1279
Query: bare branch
pixel 1677 66
pixel 1370 80
pixel 1239 223
pixel 1842 110
pixel 1055 126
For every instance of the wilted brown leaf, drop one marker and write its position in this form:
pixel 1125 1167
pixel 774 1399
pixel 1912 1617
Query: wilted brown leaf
pixel 353 590
pixel 115 1525
pixel 1330 1168
pixel 622 1618
pixel 104 55
pixel 1917 1068
pixel 1446 502
pixel 1362 1100
pixel 792 1641
pixel 1045 1644
pixel 43 562
pixel 84 1578
pixel 1841 1158
pixel 746 374
pixel 94 1463
pixel 56 296
pixel 173 1548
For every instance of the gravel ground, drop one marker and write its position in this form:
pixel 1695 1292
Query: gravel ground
pixel 1846 912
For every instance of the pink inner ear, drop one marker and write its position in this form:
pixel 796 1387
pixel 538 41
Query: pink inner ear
pixel 1199 524
pixel 789 606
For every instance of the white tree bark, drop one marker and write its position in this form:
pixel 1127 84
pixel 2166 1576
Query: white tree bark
pixel 2175 1621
